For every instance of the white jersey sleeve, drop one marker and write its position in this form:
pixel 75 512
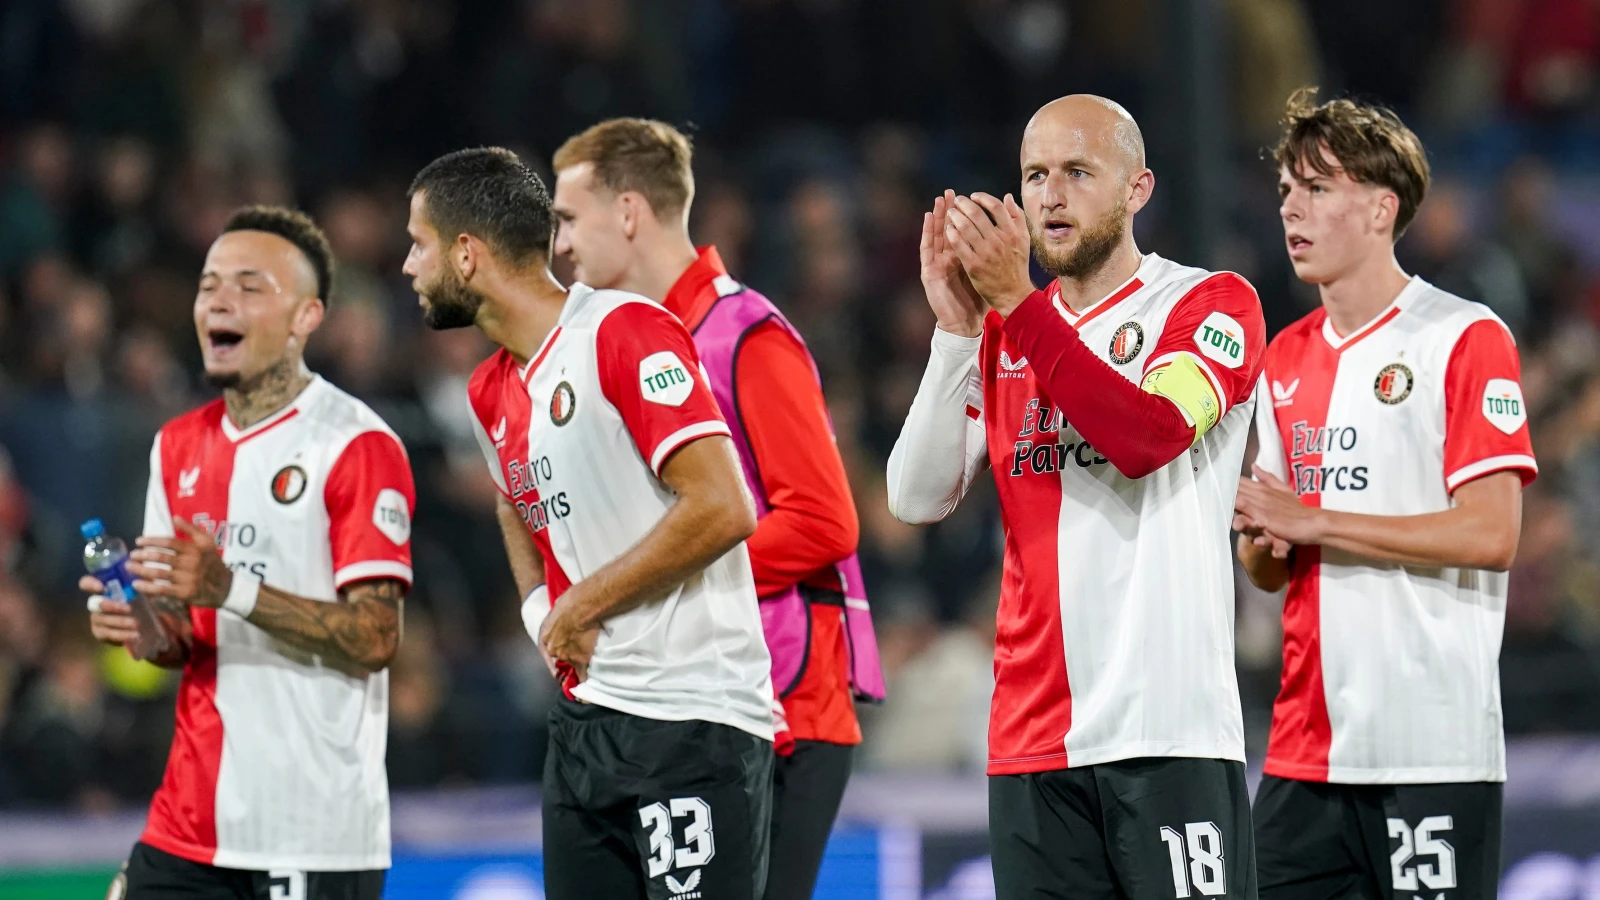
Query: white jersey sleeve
pixel 1269 452
pixel 157 513
pixel 491 455
pixel 941 448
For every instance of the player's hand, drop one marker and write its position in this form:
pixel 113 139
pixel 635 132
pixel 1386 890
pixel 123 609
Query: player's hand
pixel 563 638
pixel 1257 534
pixel 1270 505
pixel 188 568
pixel 993 251
pixel 955 303
pixel 110 620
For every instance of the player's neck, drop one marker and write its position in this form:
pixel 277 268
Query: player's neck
pixel 266 393
pixel 1362 294
pixel 1081 293
pixel 658 264
pixel 522 313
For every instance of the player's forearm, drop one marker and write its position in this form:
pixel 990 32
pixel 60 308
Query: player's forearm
pixel 938 453
pixel 1462 537
pixel 360 629
pixel 174 619
pixel 527 565
pixel 791 543
pixel 1264 570
pixel 1136 431
pixel 696 531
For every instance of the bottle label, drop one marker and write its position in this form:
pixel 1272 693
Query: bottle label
pixel 119 584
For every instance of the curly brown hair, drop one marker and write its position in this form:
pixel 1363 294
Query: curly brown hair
pixel 1370 142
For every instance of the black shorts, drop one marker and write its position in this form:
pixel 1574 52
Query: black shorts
pixel 152 874
pixel 1140 828
pixel 1379 841
pixel 639 808
pixel 807 786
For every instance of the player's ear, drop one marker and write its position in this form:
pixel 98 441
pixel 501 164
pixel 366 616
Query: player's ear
pixel 1142 186
pixel 1385 211
pixel 464 256
pixel 308 318
pixel 632 208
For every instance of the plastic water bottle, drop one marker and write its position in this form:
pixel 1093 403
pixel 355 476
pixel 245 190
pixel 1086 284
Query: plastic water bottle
pixel 106 558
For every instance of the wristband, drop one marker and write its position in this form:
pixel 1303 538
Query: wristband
pixel 534 608
pixel 241 599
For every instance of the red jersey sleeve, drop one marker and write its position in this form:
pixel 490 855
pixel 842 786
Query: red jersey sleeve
pixel 1485 418
pixel 812 522
pixel 1219 323
pixel 650 372
pixel 369 497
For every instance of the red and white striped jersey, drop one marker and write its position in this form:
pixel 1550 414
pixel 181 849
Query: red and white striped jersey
pixel 277 761
pixel 1390 672
pixel 576 441
pixel 1114 636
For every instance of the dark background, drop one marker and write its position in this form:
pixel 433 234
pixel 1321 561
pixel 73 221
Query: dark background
pixel 129 130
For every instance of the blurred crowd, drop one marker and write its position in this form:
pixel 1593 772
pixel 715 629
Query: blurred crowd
pixel 130 128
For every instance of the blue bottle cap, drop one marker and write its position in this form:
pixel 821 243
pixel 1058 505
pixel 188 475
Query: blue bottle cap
pixel 92 529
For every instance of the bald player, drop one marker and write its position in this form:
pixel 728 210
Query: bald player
pixel 1113 408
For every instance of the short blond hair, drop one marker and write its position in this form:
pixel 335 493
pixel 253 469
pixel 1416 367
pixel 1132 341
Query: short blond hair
pixel 642 155
pixel 1370 142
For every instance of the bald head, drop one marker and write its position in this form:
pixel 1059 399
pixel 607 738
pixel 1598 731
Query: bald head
pixel 1083 180
pixel 1091 122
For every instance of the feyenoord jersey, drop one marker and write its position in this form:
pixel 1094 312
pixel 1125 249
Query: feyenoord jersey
pixel 277 760
pixel 576 441
pixel 1114 635
pixel 1390 672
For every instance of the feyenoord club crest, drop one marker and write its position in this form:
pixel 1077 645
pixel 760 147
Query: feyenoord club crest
pixel 1126 343
pixel 562 403
pixel 1393 383
pixel 288 484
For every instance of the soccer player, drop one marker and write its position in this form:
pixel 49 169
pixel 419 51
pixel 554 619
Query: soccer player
pixel 1113 408
pixel 276 551
pixel 624 515
pixel 623 191
pixel 1387 496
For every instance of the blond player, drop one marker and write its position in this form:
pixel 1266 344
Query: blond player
pixel 1387 497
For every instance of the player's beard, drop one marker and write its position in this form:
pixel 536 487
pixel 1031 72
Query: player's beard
pixel 223 380
pixel 452 303
pixel 1095 245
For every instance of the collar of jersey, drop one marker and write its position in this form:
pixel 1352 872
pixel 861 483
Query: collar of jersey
pixel 1342 344
pixel 526 372
pixel 705 282
pixel 237 435
pixel 1124 291
pixel 576 295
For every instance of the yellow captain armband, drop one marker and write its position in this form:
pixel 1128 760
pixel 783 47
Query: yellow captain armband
pixel 1182 382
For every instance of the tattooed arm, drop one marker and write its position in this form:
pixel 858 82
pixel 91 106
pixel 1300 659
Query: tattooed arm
pixel 175 621
pixel 113 621
pixel 362 628
pixel 359 631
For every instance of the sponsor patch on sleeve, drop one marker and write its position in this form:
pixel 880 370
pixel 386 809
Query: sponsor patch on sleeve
pixel 1503 406
pixel 664 379
pixel 392 515
pixel 1222 339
